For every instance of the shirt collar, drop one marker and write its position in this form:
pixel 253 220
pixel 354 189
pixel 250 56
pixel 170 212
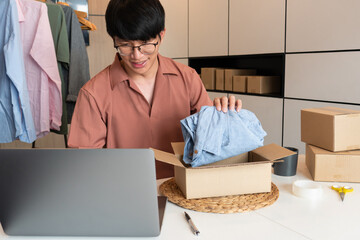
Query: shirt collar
pixel 118 74
pixel 167 66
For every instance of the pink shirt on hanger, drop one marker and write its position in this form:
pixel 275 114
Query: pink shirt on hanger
pixel 42 74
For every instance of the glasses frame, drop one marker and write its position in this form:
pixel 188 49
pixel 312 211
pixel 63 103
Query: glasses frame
pixel 138 47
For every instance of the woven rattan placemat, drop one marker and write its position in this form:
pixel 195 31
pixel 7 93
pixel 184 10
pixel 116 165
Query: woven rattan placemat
pixel 226 204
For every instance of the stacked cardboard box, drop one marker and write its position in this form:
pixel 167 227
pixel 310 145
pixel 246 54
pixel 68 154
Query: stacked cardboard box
pixel 257 84
pixel 229 73
pixel 222 79
pixel 263 84
pixel 332 136
pixel 240 84
pixel 208 78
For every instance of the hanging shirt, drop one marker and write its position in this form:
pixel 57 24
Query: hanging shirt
pixel 78 73
pixel 112 112
pixel 212 135
pixel 16 120
pixel 61 43
pixel 42 74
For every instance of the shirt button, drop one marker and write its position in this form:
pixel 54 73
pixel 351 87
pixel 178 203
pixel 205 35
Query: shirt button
pixel 195 151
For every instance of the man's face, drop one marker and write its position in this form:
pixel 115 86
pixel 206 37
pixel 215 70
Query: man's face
pixel 139 57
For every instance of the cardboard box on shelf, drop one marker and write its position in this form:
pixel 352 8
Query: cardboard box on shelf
pixel 220 79
pixel 333 166
pixel 242 174
pixel 240 84
pixel 229 73
pixel 331 128
pixel 208 78
pixel 263 84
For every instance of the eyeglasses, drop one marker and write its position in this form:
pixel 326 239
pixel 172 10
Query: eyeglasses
pixel 146 48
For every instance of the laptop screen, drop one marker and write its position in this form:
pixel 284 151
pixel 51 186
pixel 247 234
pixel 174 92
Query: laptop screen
pixel 78 192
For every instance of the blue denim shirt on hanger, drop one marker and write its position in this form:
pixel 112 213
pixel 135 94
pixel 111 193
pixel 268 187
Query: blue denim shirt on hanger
pixel 212 135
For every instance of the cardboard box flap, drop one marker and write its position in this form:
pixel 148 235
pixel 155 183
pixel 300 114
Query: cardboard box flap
pixel 231 165
pixel 272 152
pixel 333 111
pixel 178 148
pixel 317 150
pixel 167 157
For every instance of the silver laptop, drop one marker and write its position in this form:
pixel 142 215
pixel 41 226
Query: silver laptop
pixel 79 192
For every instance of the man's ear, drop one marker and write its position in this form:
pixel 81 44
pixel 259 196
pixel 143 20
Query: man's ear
pixel 115 39
pixel 162 35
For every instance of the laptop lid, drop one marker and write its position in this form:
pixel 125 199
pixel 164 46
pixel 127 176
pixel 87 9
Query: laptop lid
pixel 79 192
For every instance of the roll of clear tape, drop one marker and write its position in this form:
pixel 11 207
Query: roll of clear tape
pixel 307 189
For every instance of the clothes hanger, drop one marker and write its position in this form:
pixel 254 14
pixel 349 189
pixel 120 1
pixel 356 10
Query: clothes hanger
pixel 85 24
pixel 80 14
pixel 63 3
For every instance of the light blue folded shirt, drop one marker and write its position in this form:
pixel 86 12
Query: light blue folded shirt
pixel 212 135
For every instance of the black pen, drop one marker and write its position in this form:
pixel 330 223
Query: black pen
pixel 192 225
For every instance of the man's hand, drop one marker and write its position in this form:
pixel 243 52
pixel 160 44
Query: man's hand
pixel 224 103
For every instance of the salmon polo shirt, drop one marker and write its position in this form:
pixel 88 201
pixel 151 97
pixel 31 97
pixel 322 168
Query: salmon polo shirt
pixel 111 111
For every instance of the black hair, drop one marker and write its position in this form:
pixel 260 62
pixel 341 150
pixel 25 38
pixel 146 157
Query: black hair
pixel 135 19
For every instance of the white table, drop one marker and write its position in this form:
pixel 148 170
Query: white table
pixel 290 217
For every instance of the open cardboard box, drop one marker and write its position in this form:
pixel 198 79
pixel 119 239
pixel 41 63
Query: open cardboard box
pixel 246 173
pixel 330 166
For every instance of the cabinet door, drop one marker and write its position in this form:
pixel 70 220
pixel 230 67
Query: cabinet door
pixel 292 120
pixel 15 144
pixel 97 7
pixel 323 76
pixel 52 140
pixel 184 61
pixel 175 43
pixel 214 95
pixel 208 27
pixel 322 25
pixel 101 51
pixel 269 112
pixel 256 26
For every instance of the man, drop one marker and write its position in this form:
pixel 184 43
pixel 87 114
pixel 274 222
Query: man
pixel 139 100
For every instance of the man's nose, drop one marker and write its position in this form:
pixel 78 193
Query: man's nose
pixel 136 52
